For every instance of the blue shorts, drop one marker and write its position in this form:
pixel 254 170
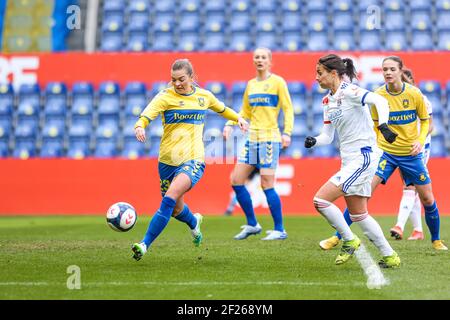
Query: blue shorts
pixel 261 154
pixel 412 168
pixel 194 170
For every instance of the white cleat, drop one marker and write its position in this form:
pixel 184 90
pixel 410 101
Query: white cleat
pixel 139 249
pixel 248 231
pixel 197 236
pixel 275 235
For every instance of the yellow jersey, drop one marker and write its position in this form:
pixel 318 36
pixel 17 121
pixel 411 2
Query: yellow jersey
pixel 261 105
pixel 405 109
pixel 183 118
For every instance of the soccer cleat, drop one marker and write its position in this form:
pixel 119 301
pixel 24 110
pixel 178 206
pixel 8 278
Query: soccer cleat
pixel 347 250
pixel 329 243
pixel 275 235
pixel 197 236
pixel 397 233
pixel 439 245
pixel 392 261
pixel 139 249
pixel 416 235
pixel 248 231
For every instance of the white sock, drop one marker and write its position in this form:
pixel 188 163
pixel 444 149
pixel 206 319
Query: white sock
pixel 406 206
pixel 373 231
pixel 334 217
pixel 416 215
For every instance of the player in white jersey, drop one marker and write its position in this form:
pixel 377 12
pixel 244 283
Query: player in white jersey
pixel 410 206
pixel 346 112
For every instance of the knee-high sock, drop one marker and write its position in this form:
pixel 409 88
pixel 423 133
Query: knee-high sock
pixel 373 231
pixel 347 219
pixel 406 206
pixel 432 220
pixel 159 220
pixel 416 215
pixel 334 217
pixel 244 199
pixel 187 217
pixel 275 208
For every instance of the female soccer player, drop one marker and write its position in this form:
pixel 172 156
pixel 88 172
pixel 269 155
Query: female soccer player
pixel 345 111
pixel 410 203
pixel 181 155
pixel 406 105
pixel 264 96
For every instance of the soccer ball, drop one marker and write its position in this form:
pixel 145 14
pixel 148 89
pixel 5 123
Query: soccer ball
pixel 121 216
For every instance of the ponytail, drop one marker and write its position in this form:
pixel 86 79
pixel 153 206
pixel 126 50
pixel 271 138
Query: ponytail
pixel 344 67
pixel 350 69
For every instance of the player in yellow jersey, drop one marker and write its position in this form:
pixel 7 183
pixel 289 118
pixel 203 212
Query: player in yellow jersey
pixel 183 108
pixel 263 99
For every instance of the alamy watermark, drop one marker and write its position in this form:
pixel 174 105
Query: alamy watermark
pixel 73 21
pixel 74 280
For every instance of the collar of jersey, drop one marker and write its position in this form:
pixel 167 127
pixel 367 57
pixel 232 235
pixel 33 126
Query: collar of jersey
pixel 186 94
pixel 340 88
pixel 395 94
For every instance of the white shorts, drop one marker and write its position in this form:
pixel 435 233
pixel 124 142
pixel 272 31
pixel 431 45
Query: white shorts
pixel 356 174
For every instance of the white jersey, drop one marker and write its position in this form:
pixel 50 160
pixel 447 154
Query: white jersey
pixel 346 112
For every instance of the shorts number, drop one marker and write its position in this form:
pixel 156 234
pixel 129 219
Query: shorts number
pixel 382 164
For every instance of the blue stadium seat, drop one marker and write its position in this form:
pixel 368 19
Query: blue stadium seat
pixel 241 22
pixel 189 21
pixel 156 128
pixel 297 92
pixel 319 5
pixel 442 5
pixel 318 41
pixel 106 138
pixel 164 22
pixel 241 41
pixel 116 6
pixel 370 40
pixel 292 41
pixel 343 5
pixel 109 103
pixel 292 21
pixel 132 148
pixel 137 42
pixel 366 5
pixel 267 40
pixel 55 106
pixel 79 138
pixel 52 148
pixel 113 23
pixel 5 134
pixel 422 40
pixel 237 93
pixel 395 21
pixel 188 41
pixel 214 41
pixel 443 21
pixel 215 22
pixel 438 146
pixel 4 148
pixel 135 100
pixel 396 41
pixel 215 6
pixel 6 100
pixel 421 20
pixel 317 22
pixel 25 141
pixel 394 5
pixel 154 146
pixel 438 125
pixel 343 21
pixel 369 22
pixel 139 6
pixel 190 6
pixel 163 41
pixel 82 104
pixel 241 5
pixel 443 41
pixel 432 90
pixel 266 22
pixel 267 6
pixel 297 148
pixel 417 5
pixel 291 6
pixel 138 22
pixel 164 6
pixel 218 89
pixel 29 94
pixel 300 126
pixel 111 41
pixel 344 41
pixel 317 95
pixel 158 86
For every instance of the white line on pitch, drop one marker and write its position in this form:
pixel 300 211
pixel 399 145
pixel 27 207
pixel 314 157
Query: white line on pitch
pixel 375 278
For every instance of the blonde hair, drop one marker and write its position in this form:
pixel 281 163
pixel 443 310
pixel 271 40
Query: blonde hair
pixel 269 52
pixel 185 64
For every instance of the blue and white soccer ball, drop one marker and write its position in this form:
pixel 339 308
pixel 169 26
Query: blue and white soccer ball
pixel 121 216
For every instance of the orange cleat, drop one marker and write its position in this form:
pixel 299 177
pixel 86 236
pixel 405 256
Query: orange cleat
pixel 397 233
pixel 416 235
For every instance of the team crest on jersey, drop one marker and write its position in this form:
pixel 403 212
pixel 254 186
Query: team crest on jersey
pixel 325 101
pixel 423 177
pixel 201 101
pixel 266 87
pixel 405 103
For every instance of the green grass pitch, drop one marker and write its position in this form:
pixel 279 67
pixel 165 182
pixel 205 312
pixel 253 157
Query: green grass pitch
pixel 37 252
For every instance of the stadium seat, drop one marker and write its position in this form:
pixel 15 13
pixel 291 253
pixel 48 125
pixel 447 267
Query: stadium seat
pixel 438 146
pixel 317 22
pixel 108 110
pixel 163 41
pixel 317 96
pixel 344 41
pixel 55 106
pixel 240 41
pixel 218 89
pixel 343 21
pixel 137 42
pixel 297 92
pixel 156 128
pixel 369 22
pixel 113 23
pixel 241 5
pixel 214 41
pixel 266 6
pixel 241 22
pixel 292 41
pixel 111 41
pixel 24 142
pixel 106 138
pixel 319 5
pixel 394 5
pixel 438 125
pixel 432 90
pixel 164 22
pixel 237 94
pixel 421 20
pixel 267 40
pixel 154 147
pixel 441 5
pixel 79 138
pixel 300 126
pixel 189 22
pixel 422 40
pixel 292 21
pixel 291 6
pixel 417 5
pixel 396 41
pixel 215 6
pixel 370 40
pixel 52 148
pixel 188 41
pixel 82 104
pixel 343 5
pixel 6 104
pixel 266 22
pixel 317 41
pixel 297 148
pixel 164 6
pixel 29 94
pixel 138 22
pixel 4 148
pixel 395 21
pixel 443 41
pixel 215 22
pixel 139 6
pixel 443 21
pixel 116 6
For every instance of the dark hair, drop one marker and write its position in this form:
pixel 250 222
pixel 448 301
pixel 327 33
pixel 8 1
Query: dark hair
pixel 342 66
pixel 407 76
pixel 396 59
